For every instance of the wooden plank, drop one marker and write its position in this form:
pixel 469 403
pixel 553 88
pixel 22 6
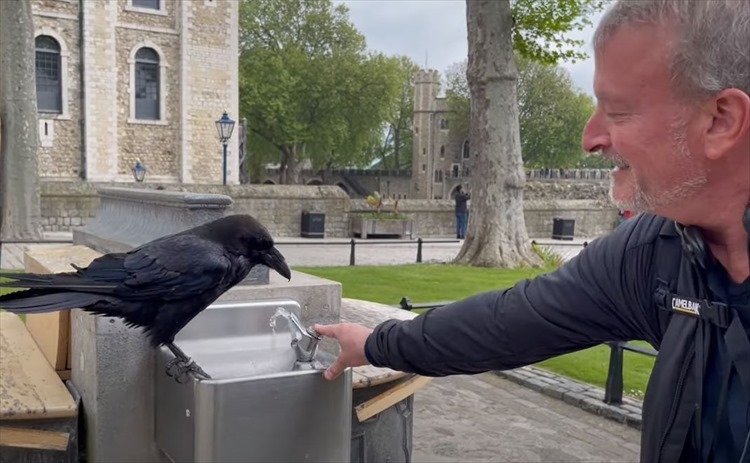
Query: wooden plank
pixel 33 439
pixel 29 386
pixel 369 376
pixel 390 397
pixel 51 331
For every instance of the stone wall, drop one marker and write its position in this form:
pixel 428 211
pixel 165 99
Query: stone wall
pixel 69 204
pixel 280 207
pixel 395 184
pixel 96 136
pixel 66 205
pixel 597 190
pixel 436 217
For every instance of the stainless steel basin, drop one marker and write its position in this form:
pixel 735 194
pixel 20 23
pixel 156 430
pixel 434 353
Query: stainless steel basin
pixel 260 403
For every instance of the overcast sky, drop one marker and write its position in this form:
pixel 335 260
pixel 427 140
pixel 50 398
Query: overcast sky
pixel 434 32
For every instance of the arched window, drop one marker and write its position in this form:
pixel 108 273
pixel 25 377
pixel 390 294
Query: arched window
pixel 48 75
pixel 442 151
pixel 147 94
pixel 465 149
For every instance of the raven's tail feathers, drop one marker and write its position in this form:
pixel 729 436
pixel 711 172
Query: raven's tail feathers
pixel 39 302
pixel 68 282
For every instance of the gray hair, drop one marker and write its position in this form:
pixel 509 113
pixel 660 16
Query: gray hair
pixel 712 48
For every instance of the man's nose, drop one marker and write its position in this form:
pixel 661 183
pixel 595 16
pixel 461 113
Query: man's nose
pixel 595 134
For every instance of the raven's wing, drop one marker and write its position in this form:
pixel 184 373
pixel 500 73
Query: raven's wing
pixel 180 267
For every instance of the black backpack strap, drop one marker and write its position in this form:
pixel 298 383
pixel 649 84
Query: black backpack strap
pixel 715 313
pixel 673 273
pixel 738 346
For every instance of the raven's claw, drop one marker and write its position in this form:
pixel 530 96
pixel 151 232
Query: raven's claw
pixel 182 365
pixel 179 370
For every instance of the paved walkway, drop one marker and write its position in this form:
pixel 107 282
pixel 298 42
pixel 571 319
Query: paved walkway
pixel 337 251
pixel 330 251
pixel 485 418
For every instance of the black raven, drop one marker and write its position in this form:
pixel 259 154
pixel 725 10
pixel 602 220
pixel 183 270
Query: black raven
pixel 160 285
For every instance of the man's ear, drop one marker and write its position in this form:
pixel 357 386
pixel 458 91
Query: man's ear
pixel 730 124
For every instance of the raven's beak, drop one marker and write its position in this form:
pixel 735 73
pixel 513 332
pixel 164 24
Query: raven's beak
pixel 273 259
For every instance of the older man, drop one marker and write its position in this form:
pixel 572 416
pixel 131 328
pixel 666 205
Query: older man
pixel 672 81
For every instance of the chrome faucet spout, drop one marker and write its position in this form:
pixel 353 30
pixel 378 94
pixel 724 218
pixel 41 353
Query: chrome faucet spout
pixel 304 340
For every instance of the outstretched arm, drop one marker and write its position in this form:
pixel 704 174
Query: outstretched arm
pixel 602 294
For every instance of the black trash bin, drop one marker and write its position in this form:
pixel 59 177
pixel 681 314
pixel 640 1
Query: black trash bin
pixel 313 224
pixel 563 229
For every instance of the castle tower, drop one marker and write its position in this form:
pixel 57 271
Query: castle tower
pixel 426 86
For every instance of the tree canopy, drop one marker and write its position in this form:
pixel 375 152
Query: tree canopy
pixel 309 88
pixel 393 146
pixel 552 113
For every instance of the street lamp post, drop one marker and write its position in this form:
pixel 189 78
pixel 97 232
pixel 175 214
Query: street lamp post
pixel 224 127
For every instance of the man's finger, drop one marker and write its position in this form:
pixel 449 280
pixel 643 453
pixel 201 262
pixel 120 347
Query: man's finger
pixel 335 369
pixel 326 330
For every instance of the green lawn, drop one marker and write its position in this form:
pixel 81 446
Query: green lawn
pixel 440 282
pixel 4 290
pixel 7 290
pixel 420 282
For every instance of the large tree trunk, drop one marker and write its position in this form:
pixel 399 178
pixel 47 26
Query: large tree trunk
pixel 397 144
pixel 496 236
pixel 20 218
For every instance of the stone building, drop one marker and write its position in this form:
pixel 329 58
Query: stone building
pixel 125 80
pixel 439 164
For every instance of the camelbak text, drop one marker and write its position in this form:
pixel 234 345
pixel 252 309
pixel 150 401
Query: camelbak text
pixel 685 305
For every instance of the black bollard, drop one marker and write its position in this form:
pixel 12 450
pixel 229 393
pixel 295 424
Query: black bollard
pixel 419 250
pixel 613 386
pixel 351 253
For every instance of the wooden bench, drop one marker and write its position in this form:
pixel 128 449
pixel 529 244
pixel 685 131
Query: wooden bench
pixel 38 414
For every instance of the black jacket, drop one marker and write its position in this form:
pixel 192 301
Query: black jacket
pixel 613 290
pixel 461 199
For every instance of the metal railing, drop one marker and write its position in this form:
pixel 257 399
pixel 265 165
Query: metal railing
pixel 352 243
pixel 613 389
pixel 535 174
pixel 567 174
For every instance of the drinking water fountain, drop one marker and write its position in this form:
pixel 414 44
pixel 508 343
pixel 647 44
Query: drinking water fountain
pixel 266 400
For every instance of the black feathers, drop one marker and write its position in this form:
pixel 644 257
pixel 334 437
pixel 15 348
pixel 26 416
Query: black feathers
pixel 161 285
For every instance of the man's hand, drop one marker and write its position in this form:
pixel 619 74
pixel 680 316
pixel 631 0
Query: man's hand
pixel 351 338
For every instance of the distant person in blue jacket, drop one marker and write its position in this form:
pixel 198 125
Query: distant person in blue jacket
pixel 462 211
pixel 672 84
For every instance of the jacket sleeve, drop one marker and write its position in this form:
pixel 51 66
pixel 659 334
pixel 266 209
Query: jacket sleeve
pixel 603 294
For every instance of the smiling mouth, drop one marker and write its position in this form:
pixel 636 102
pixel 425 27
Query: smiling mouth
pixel 621 167
pixel 620 163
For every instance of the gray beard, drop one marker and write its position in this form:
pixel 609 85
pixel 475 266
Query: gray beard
pixel 642 201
